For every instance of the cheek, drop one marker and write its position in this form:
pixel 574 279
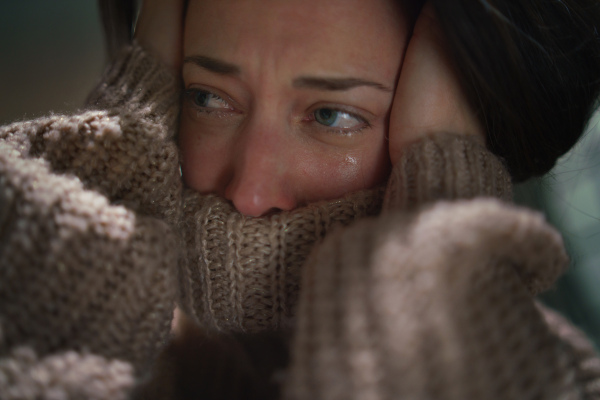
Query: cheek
pixel 333 174
pixel 203 162
pixel 375 165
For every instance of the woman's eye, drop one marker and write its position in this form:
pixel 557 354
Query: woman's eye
pixel 337 119
pixel 205 99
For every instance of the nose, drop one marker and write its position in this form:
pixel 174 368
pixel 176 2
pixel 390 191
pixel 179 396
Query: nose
pixel 260 182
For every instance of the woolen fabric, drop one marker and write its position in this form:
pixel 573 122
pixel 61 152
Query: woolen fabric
pixel 431 297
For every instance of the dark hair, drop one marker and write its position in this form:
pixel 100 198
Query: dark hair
pixel 118 18
pixel 531 69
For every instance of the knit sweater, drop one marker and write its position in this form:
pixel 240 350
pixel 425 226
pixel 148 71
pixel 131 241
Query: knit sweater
pixel 430 297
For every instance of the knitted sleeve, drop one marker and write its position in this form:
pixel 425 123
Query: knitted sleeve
pixel 121 147
pixel 85 242
pixel 435 299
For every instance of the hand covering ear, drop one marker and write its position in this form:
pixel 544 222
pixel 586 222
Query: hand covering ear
pixel 429 98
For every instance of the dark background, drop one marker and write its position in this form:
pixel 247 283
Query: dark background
pixel 51 54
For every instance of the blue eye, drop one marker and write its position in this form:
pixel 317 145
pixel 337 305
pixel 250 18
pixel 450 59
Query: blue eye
pixel 326 116
pixel 201 98
pixel 337 119
pixel 205 99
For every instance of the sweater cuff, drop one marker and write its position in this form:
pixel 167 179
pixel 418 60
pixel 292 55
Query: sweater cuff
pixel 137 82
pixel 66 375
pixel 445 166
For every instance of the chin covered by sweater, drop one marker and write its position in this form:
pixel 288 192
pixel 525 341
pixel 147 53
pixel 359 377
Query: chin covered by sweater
pixel 432 297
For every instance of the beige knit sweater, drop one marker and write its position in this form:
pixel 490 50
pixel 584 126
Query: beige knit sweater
pixel 432 299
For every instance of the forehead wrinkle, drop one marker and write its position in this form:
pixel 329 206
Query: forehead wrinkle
pixel 272 45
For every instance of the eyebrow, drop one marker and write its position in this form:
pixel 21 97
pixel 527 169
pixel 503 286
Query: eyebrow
pixel 336 84
pixel 306 82
pixel 213 65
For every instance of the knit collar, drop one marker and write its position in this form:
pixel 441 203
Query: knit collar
pixel 242 273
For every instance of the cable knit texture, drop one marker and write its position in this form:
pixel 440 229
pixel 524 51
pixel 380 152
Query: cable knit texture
pixel 431 306
pixel 66 375
pixel 242 274
pixel 449 167
pixel 86 253
pixel 434 298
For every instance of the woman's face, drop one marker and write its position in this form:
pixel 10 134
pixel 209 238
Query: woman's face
pixel 286 101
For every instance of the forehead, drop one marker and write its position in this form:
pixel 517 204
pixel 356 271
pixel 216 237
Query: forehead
pixel 306 31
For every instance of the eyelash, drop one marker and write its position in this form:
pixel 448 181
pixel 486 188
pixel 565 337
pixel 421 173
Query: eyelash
pixel 189 99
pixel 364 122
pixel 348 132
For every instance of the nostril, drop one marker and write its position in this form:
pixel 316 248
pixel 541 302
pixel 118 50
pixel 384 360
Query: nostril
pixel 257 212
pixel 272 211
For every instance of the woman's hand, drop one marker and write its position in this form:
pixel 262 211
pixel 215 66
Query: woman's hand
pixel 429 98
pixel 160 30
